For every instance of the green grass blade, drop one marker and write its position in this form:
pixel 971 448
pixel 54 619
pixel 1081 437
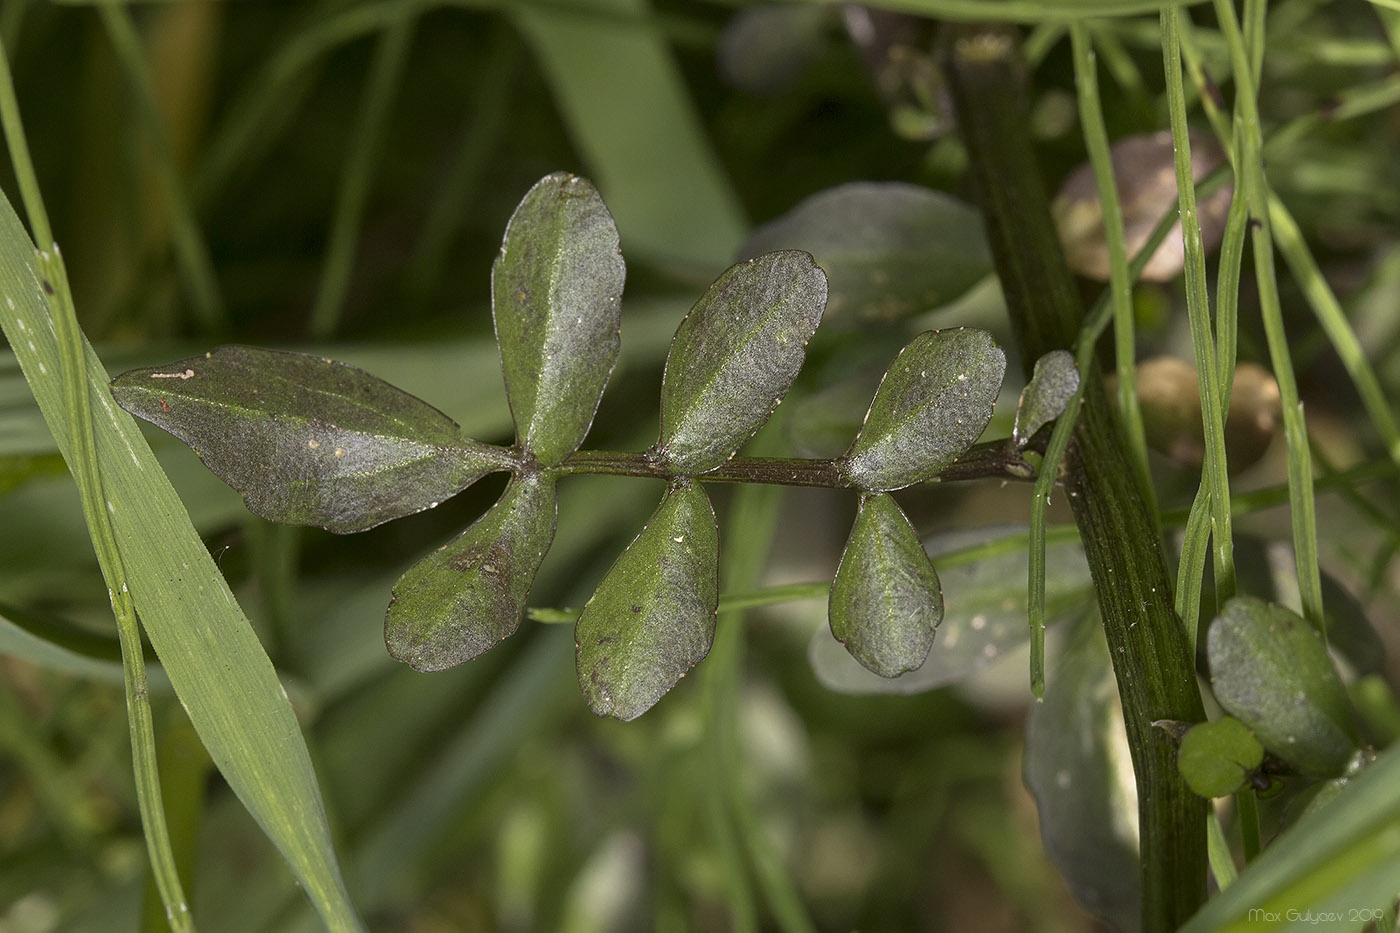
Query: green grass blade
pixel 1120 285
pixel 191 252
pixel 1255 185
pixel 1198 311
pixel 213 659
pixel 1329 314
pixel 622 98
pixel 386 74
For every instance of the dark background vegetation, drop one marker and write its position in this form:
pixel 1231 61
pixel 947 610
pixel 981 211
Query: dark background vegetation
pixel 488 797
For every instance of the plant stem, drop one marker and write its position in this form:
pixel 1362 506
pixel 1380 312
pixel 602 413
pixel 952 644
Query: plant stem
pixel 993 459
pixel 86 474
pixel 1154 669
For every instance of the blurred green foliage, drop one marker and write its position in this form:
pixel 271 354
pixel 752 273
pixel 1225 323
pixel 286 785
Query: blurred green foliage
pixel 489 797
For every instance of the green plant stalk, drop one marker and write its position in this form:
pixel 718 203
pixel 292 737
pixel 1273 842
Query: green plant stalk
pixel 1250 164
pixel 1222 863
pixel 1249 823
pixel 1241 504
pixel 1086 80
pixel 992 459
pixel 191 253
pixel 749 534
pixel 1333 320
pixel 89 482
pixel 1151 659
pixel 1212 393
pixel 386 74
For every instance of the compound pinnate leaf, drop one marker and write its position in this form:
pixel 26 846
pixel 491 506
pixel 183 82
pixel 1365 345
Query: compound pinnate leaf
pixel 555 297
pixel 1052 385
pixel 1216 758
pixel 466 597
pixel 306 440
pixel 933 403
pixel 891 249
pixel 653 617
pixel 735 356
pixel 886 601
pixel 1269 669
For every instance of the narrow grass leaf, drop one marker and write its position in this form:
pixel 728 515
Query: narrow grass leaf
pixel 886 601
pixel 1053 383
pixel 555 290
pixel 209 651
pixel 933 403
pixel 890 249
pixel 306 440
pixel 1270 670
pixel 653 617
pixel 613 72
pixel 469 595
pixel 735 356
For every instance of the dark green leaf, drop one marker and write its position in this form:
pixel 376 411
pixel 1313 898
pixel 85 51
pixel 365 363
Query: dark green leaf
pixel 1078 767
pixel 306 440
pixel 886 601
pixel 1270 670
pixel 1052 385
pixel 933 403
pixel 466 597
pixel 653 616
pixel 735 356
pixel 1216 758
pixel 984 615
pixel 890 249
pixel 555 290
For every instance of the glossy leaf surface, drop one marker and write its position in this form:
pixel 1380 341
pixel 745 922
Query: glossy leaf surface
pixel 890 249
pixel 886 601
pixel 555 297
pixel 1269 669
pixel 466 597
pixel 306 440
pixel 932 405
pixel 1053 383
pixel 735 356
pixel 653 617
pixel 1216 758
pixel 984 615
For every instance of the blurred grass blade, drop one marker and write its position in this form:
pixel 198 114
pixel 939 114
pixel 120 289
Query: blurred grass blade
pixel 213 659
pixel 623 99
pixel 366 144
pixel 1076 765
pixel 735 356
